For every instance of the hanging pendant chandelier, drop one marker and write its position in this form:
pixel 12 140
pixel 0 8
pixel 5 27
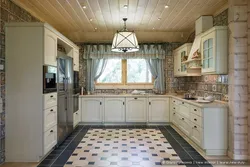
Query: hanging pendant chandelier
pixel 125 41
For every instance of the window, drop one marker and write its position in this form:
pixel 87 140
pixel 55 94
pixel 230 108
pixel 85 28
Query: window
pixel 138 71
pixel 112 72
pixel 126 72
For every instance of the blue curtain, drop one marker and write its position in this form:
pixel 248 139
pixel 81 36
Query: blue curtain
pixel 156 67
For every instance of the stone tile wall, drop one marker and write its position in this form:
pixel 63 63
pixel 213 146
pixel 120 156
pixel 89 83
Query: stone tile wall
pixel 9 12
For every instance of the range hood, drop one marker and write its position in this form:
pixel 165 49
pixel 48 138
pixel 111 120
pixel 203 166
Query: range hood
pixel 194 60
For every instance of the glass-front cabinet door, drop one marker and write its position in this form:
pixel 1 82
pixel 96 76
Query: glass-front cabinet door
pixel 208 54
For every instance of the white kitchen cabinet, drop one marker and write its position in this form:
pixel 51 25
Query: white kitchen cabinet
pixel 50 117
pixel 214 50
pixel 136 109
pixel 50 47
pixel 181 55
pixel 158 109
pixel 76 118
pixel 114 110
pixel 200 123
pixel 76 59
pixel 50 139
pixel 196 134
pixel 92 109
pixel 49 100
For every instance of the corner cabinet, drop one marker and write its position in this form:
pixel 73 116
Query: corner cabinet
pixel 214 50
pixel 181 55
pixel 92 109
pixel 136 110
pixel 114 110
pixel 158 109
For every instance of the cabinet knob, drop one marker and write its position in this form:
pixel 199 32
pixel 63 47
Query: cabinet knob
pixel 182 102
pixel 174 113
pixel 182 118
pixel 195 119
pixel 174 107
pixel 123 103
pixel 173 101
pixel 51 131
pixel 195 126
pixel 76 113
pixel 135 98
pixel 51 110
pixel 51 96
pixel 149 103
pixel 195 110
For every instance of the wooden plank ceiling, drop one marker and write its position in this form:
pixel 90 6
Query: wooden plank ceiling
pixel 97 20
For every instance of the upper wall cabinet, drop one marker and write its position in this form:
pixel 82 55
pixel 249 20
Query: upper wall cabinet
pixel 50 47
pixel 214 50
pixel 180 56
pixel 76 59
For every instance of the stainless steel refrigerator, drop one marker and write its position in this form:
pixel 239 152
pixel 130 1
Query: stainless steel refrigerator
pixel 65 96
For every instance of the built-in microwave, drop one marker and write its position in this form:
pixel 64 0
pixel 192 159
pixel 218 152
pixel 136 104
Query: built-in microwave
pixel 49 79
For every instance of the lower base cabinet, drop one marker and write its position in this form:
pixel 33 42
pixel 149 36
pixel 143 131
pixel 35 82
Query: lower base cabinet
pixel 50 139
pixel 92 109
pixel 114 110
pixel 158 109
pixel 199 124
pixel 76 118
pixel 136 110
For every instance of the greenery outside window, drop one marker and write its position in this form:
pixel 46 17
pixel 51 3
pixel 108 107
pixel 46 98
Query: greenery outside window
pixel 126 72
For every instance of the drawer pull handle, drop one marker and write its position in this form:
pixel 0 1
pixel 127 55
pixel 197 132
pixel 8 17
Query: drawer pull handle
pixel 123 103
pixel 195 110
pixel 195 126
pixel 51 96
pixel 51 131
pixel 182 118
pixel 135 98
pixel 51 110
pixel 195 119
pixel 149 103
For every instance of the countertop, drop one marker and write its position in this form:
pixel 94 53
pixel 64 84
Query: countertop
pixel 215 104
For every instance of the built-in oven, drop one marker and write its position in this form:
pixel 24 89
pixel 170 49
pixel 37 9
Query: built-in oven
pixel 49 79
pixel 75 102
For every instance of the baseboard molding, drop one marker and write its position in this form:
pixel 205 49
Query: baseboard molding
pixel 238 157
pixel 216 152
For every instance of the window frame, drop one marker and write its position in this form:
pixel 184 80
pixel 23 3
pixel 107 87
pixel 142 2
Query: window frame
pixel 124 84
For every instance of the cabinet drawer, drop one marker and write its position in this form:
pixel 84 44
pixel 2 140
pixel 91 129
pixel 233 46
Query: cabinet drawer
pixel 49 100
pixel 50 139
pixel 196 119
pixel 195 110
pixel 50 118
pixel 185 125
pixel 175 102
pixel 196 134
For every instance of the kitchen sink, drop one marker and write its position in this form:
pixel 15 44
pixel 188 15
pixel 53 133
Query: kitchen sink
pixel 190 98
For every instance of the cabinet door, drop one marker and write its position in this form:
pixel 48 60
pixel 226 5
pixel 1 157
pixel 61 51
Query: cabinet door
pixel 177 64
pixel 184 109
pixel 76 59
pixel 92 109
pixel 175 119
pixel 50 48
pixel 196 134
pixel 136 110
pixel 158 109
pixel 184 125
pixel 50 139
pixel 50 117
pixel 76 118
pixel 114 110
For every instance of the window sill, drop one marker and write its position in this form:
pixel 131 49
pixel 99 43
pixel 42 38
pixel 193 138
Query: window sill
pixel 130 86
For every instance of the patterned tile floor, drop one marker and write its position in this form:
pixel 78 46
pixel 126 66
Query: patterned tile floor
pixel 138 145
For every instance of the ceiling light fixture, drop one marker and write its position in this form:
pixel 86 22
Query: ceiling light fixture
pixel 166 6
pixel 84 7
pixel 125 41
pixel 125 6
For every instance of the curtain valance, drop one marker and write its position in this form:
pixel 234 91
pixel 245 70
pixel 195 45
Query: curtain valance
pixel 147 51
